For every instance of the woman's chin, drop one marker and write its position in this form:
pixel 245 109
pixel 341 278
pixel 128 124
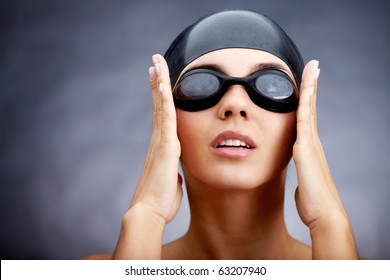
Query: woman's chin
pixel 235 181
pixel 231 177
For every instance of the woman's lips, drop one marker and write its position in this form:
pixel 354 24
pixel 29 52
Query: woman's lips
pixel 233 144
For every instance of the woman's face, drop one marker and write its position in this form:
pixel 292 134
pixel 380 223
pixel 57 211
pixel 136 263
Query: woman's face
pixel 209 138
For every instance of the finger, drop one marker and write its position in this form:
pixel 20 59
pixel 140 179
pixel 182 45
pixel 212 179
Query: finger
pixel 156 100
pixel 163 75
pixel 156 111
pixel 156 96
pixel 305 107
pixel 168 121
pixel 303 115
pixel 309 74
pixel 158 76
pixel 169 126
pixel 313 104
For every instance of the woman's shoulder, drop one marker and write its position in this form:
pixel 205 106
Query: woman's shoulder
pixel 169 251
pixel 107 256
pixel 299 251
pixel 174 250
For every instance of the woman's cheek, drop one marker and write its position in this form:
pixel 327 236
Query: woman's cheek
pixel 190 134
pixel 284 137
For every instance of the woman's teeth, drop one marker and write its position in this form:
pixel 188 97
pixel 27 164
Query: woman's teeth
pixel 233 143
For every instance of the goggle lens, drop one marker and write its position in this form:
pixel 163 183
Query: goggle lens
pixel 198 86
pixel 200 89
pixel 275 87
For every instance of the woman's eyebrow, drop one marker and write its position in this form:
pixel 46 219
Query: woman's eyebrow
pixel 255 68
pixel 213 66
pixel 270 65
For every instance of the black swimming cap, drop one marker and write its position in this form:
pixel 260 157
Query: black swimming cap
pixel 232 29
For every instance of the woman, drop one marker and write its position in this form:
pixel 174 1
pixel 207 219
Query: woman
pixel 233 121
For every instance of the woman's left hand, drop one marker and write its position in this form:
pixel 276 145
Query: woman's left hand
pixel 318 203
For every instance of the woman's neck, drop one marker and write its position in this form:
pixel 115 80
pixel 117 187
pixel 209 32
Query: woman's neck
pixel 237 224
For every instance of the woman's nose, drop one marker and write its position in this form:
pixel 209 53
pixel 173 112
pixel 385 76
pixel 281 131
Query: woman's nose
pixel 234 103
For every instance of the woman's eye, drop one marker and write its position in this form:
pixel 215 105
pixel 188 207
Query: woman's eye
pixel 199 85
pixel 274 86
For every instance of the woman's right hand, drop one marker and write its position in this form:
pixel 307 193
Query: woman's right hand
pixel 158 195
pixel 159 186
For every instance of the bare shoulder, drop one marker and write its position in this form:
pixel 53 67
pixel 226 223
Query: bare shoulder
pixel 169 251
pixel 107 256
pixel 174 250
pixel 300 251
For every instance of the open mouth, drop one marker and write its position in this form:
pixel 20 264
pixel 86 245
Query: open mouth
pixel 233 143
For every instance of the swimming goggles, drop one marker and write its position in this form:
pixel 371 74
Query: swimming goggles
pixel 201 88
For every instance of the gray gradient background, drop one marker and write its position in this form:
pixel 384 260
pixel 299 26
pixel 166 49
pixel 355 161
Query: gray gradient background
pixel 75 114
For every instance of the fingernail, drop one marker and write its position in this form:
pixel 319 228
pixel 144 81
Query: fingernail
pixel 152 73
pixel 155 59
pixel 318 73
pixel 317 64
